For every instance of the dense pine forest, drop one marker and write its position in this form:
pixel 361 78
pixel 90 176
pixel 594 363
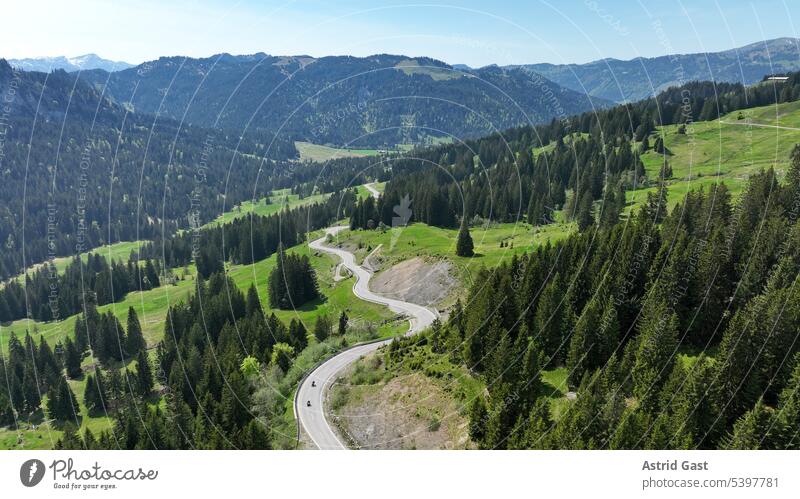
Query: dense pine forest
pixel 79 171
pixel 677 331
pixel 216 311
pixel 677 327
pixel 49 295
pixel 512 176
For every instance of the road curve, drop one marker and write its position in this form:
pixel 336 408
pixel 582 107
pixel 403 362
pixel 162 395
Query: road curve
pixel 370 187
pixel 312 418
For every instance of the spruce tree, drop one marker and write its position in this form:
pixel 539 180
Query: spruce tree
pixel 655 354
pixel 95 397
pixel 278 294
pixel 253 302
pixel 144 374
pixel 30 389
pixel 754 430
pixel 134 339
pixel 322 328
pixel 549 321
pixel 342 323
pixel 464 246
pixel 665 172
pixel 292 282
pixel 584 216
pixel 282 355
pixel 298 336
pixel 61 402
pixel 477 419
pixel 47 365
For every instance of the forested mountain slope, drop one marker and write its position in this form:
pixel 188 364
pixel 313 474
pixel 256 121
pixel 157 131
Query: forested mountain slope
pixel 83 171
pixel 640 78
pixel 673 326
pixel 591 166
pixel 377 101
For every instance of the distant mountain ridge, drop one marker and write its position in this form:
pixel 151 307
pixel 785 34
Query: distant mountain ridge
pixel 69 64
pixel 640 78
pixel 376 101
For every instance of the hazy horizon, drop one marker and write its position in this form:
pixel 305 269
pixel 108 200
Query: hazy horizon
pixel 463 32
pixel 410 56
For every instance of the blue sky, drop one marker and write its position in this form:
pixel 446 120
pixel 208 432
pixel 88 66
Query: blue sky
pixel 457 31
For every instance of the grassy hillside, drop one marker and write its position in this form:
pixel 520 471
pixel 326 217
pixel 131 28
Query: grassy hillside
pixel 728 150
pixel 278 200
pixel 316 152
pixel 152 307
pixel 116 251
pixel 423 240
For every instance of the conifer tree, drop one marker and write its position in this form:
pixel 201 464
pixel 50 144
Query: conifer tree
pixel 61 402
pixel 292 282
pixel 253 302
pixel 549 320
pixel 477 420
pixel 144 374
pixel 464 246
pixel 322 328
pixel 342 324
pixel 30 388
pixel 753 430
pixel 298 336
pixel 135 342
pixel 282 356
pixel 47 365
pixel 584 215
pixel 655 354
pixel 95 397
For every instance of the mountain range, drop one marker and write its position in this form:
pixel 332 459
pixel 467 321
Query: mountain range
pixel 376 101
pixel 639 78
pixel 384 100
pixel 69 64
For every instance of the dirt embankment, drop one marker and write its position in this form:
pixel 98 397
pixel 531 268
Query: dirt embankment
pixel 410 411
pixel 420 281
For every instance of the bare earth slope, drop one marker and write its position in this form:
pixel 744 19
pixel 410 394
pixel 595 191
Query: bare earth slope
pixel 417 280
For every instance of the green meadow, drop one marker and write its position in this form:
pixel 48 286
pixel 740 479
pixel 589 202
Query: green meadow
pixel 320 153
pixel 728 150
pixel 278 200
pixel 418 239
pixel 152 307
pixel 117 251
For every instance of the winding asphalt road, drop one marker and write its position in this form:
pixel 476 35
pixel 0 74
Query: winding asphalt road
pixel 370 187
pixel 313 418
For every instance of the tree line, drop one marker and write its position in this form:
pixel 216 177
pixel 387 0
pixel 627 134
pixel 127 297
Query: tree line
pixel 47 295
pixel 523 174
pixel 32 370
pixel 622 310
